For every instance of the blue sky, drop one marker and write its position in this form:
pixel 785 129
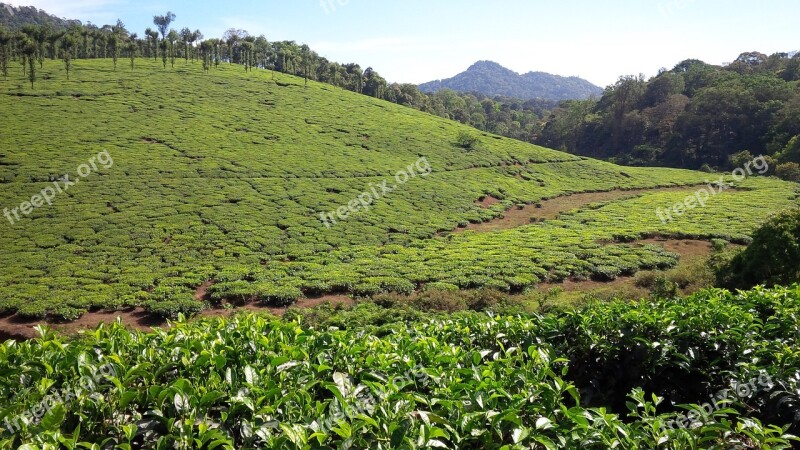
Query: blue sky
pixel 422 40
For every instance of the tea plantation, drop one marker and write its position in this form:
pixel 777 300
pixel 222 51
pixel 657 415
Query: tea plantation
pixel 461 382
pixel 221 178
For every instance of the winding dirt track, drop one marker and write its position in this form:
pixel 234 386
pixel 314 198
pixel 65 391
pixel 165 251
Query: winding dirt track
pixel 550 209
pixel 13 327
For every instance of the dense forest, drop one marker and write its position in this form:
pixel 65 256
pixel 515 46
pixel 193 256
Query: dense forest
pixel 694 116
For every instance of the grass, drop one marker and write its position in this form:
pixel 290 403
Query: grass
pixel 222 177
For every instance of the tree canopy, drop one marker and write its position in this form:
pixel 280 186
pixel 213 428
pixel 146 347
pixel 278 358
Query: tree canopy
pixel 692 116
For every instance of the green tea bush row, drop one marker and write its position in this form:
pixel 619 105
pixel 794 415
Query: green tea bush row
pixel 466 381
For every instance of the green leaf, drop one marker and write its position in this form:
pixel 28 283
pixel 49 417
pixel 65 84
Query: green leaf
pixel 54 417
pixel 519 435
pixel 543 423
pixel 544 440
pixel 250 375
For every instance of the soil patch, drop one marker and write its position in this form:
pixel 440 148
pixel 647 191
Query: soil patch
pixel 487 201
pixel 15 328
pixel 552 208
pixel 690 251
pixel 202 292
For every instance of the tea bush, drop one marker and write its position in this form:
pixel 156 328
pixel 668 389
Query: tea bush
pixel 470 380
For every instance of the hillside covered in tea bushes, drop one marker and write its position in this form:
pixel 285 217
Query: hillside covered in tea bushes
pixel 224 179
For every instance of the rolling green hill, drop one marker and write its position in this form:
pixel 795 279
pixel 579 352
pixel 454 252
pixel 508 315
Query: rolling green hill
pixel 220 179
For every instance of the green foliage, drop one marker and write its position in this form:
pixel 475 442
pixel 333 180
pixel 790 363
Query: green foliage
pixel 789 171
pixel 697 275
pixel 173 308
pixel 693 116
pixel 790 153
pixel 664 288
pixel 739 159
pixel 235 197
pixel 441 297
pixel 278 295
pixel 465 381
pixel 466 140
pixel 773 257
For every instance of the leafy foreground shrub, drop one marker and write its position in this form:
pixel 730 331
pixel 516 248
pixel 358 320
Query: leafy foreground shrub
pixel 172 309
pixel 466 140
pixel 688 349
pixel 433 299
pixel 472 381
pixel 773 258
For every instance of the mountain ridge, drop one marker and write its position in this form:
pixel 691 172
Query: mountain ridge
pixel 15 17
pixel 490 78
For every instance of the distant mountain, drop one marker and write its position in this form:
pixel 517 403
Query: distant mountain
pixel 490 78
pixel 13 17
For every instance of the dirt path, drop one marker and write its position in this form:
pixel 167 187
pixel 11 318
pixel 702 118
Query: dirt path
pixel 13 327
pixel 691 252
pixel 550 209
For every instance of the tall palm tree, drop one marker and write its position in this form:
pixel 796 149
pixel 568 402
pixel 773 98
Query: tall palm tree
pixel 195 37
pixel 186 37
pixel 5 52
pixel 52 43
pixel 114 43
pixel 29 49
pixel 131 48
pixel 152 42
pixel 172 38
pixel 305 61
pixel 68 45
pixel 246 48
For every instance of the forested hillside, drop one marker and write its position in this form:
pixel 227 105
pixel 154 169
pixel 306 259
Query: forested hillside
pixel 14 17
pixel 695 115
